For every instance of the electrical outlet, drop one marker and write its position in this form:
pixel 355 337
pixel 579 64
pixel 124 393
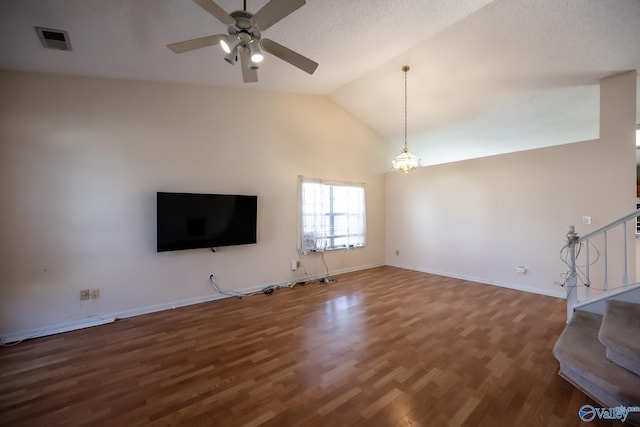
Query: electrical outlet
pixel 95 293
pixel 294 265
pixel 85 294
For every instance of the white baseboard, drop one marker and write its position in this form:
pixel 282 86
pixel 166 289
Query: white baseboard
pixel 529 289
pixel 108 318
pixel 532 290
pixel 57 328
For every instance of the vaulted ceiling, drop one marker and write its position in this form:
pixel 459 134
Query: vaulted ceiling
pixel 487 77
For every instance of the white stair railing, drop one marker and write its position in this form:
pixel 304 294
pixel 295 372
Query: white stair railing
pixel 609 264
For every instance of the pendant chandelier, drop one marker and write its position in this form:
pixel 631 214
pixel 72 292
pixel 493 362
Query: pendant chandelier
pixel 405 162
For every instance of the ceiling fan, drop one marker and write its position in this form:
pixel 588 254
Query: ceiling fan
pixel 244 39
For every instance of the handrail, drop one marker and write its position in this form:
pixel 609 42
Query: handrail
pixel 610 226
pixel 573 241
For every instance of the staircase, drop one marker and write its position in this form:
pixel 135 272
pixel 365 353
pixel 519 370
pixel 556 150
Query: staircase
pixel 599 350
pixel 600 355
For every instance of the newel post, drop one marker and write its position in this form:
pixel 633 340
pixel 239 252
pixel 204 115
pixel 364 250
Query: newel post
pixel 571 284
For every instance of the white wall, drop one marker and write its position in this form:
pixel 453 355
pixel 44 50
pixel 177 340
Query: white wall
pixel 81 161
pixel 481 218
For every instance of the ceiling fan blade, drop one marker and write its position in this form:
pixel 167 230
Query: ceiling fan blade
pixel 274 11
pixel 288 55
pixel 198 43
pixel 215 10
pixel 248 75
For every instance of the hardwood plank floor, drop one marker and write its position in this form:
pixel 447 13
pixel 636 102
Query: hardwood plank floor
pixel 380 347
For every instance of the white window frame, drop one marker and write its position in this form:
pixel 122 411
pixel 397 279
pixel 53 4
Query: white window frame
pixel 319 225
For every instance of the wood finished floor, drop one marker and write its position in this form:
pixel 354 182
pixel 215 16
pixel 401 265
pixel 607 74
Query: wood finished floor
pixel 380 347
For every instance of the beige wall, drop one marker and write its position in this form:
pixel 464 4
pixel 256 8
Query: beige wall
pixel 481 218
pixel 82 159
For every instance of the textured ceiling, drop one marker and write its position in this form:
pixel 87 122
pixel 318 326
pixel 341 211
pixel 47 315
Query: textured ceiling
pixel 515 75
pixel 486 78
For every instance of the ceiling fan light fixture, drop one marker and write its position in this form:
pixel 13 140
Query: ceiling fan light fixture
pixel 225 46
pixel 405 162
pixel 256 52
pixel 228 45
pixel 232 56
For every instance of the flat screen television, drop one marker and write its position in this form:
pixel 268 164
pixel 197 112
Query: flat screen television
pixel 190 221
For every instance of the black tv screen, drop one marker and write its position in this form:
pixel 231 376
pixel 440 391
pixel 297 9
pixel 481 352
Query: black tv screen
pixel 190 221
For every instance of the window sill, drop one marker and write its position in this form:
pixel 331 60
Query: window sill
pixel 338 248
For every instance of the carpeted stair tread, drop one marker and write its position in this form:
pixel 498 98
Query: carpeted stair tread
pixel 620 333
pixel 584 363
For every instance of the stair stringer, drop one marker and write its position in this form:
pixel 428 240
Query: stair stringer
pixel 597 305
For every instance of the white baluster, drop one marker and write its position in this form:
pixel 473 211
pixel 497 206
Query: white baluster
pixel 625 277
pixel 587 290
pixel 571 282
pixel 605 285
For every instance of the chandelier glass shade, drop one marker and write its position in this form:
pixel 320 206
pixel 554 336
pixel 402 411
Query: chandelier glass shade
pixel 405 162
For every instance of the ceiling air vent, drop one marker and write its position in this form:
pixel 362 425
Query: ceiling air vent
pixel 54 39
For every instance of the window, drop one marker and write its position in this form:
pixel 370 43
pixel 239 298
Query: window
pixel 331 215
